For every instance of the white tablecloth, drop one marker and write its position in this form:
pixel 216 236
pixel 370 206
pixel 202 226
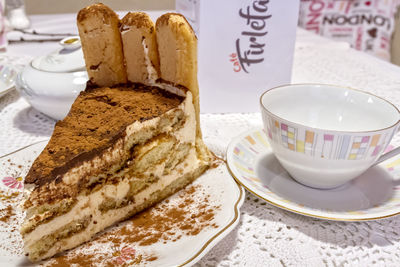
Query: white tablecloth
pixel 266 235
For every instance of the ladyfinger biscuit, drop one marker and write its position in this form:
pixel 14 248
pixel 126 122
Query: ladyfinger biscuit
pixel 177 49
pixel 140 47
pixel 98 27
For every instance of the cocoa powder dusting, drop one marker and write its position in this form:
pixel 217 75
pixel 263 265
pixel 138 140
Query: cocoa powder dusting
pixel 152 258
pixel 6 197
pixel 10 220
pixel 163 222
pixel 97 118
pixel 124 244
pixel 80 260
pixel 6 214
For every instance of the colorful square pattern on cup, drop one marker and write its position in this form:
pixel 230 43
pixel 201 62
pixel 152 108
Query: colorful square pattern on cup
pixel 329 146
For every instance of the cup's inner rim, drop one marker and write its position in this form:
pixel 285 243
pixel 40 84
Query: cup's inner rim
pixel 335 87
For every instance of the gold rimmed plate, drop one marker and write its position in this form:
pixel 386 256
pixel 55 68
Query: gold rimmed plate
pixel 373 195
pixel 217 195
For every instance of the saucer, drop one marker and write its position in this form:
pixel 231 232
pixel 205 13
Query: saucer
pixel 373 195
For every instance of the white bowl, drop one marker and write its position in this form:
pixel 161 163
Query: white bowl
pixel 326 135
pixel 50 83
pixel 51 93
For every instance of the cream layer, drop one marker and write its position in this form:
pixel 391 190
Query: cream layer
pixel 151 71
pixel 152 75
pixel 187 134
pixel 115 153
pixel 89 205
pixel 74 175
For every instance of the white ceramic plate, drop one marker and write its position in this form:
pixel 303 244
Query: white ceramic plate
pixel 373 195
pixel 221 189
pixel 7 79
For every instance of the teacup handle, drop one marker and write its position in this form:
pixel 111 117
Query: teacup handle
pixel 387 155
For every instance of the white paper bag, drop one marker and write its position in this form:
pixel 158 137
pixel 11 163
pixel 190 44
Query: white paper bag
pixel 245 48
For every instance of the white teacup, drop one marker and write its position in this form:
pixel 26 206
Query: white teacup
pixel 326 135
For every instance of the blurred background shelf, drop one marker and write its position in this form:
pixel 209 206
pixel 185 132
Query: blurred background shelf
pixel 73 6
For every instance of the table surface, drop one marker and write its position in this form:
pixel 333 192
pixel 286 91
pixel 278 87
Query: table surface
pixel 266 235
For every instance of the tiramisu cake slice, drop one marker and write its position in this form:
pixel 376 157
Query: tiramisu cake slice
pixel 130 139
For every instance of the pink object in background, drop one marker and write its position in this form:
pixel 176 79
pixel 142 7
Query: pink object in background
pixel 367 25
pixel 389 148
pixel 12 182
pixel 3 35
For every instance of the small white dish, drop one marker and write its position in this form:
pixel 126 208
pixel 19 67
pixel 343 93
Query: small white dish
pixel 7 79
pixel 326 135
pixel 221 190
pixel 72 42
pixel 373 195
pixel 51 83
